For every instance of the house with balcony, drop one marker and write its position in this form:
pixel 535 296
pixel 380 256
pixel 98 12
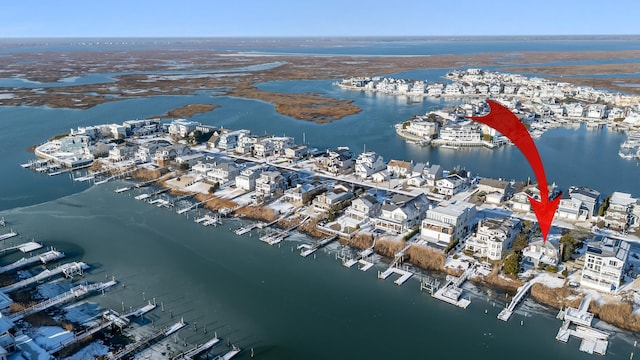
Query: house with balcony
pixel 181 128
pixel 432 174
pixel 447 222
pixel 495 190
pixel 605 264
pixel 363 208
pixel 300 194
pixel 264 148
pixel 270 183
pixel 122 152
pixel 451 185
pixel 399 168
pixel 336 161
pixel 228 140
pixel 590 198
pixel 223 172
pixel 246 180
pixel 493 237
pixel 540 252
pixel 296 152
pixel 368 163
pixel 401 214
pixel 570 209
pixel 333 199
pixel 619 216
pixel 146 150
pixel 165 154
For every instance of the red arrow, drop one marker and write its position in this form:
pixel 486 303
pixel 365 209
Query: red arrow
pixel 504 121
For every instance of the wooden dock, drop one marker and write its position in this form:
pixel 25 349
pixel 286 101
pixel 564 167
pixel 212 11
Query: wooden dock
pixel 311 249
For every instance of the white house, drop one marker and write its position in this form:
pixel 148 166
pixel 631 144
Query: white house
pixel 269 183
pixel 247 178
pixel 364 207
pixel 604 264
pixel 368 163
pixel 402 213
pixel 223 172
pixel 541 252
pixel 399 168
pixel 493 237
pixel 182 128
pixel 619 215
pixel 447 222
pixel 451 185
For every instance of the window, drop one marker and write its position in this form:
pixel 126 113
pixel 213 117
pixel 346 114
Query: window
pixel 613 263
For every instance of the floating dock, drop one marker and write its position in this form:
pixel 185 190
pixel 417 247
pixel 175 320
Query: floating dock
pixel 360 259
pixel 24 248
pixel 8 235
pixel 143 310
pixel 197 350
pixel 404 275
pixel 577 323
pixel 68 270
pixel 245 229
pixel 230 354
pixel 43 258
pixel 311 249
pixel 122 189
pixel 452 290
pixel 274 237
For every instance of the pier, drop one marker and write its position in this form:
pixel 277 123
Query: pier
pixel 577 323
pixel 274 237
pixel 138 346
pixel 120 174
pixel 24 248
pixel 75 293
pixel 245 229
pixel 311 249
pixel 68 270
pixel 394 268
pixel 360 259
pixel 452 290
pixel 109 318
pixel 143 310
pixel 189 208
pixel 8 235
pixel 230 354
pixel 122 189
pixel 48 256
pixel 523 291
pixel 197 350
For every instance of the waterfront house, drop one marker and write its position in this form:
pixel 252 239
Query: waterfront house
pixel 223 172
pixel 619 214
pixel 605 263
pixel 147 149
pixel 122 152
pixel 422 127
pixel 451 185
pixel 590 198
pixel 269 184
pixel 363 208
pixel 380 176
pixel 575 110
pixel 399 168
pixel 432 174
pixel 296 152
pixel 202 167
pixel 447 222
pixel 462 133
pixel 141 127
pixel 164 154
pixel 367 164
pixel 401 213
pixel 492 237
pixel 299 195
pixel 540 252
pixel 570 209
pixel 596 111
pixel 228 140
pixel 246 180
pixel 495 190
pixel 263 148
pixel 336 161
pixel 333 199
pixel 190 159
pixel 181 128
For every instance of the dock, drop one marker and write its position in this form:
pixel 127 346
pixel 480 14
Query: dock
pixel 74 293
pixel 452 290
pixel 8 235
pixel 43 258
pixel 143 310
pixel 229 354
pixel 109 318
pixel 404 274
pixel 197 350
pixel 191 207
pixel 311 249
pixel 68 270
pixel 577 323
pixel 523 291
pixel 24 248
pixel 360 259
pixel 245 229
pixel 274 237
pixel 122 189
pixel 138 346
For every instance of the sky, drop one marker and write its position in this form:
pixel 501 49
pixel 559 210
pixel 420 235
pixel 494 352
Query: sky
pixel 251 18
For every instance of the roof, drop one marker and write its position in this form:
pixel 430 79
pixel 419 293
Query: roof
pixel 609 247
pixel 494 183
pixel 584 191
pixel 399 163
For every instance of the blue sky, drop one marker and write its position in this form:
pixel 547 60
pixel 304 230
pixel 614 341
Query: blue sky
pixel 162 18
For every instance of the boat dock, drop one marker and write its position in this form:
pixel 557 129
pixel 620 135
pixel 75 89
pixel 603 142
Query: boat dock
pixel 593 340
pixel 452 290
pixel 149 195
pixel 76 292
pixel 24 248
pixel 68 270
pixel 404 274
pixel 197 350
pixel 48 256
pixel 207 220
pixel 274 237
pixel 523 291
pixel 109 318
pixel 191 207
pixel 245 229
pixel 138 346
pixel 8 235
pixel 143 310
pixel 360 259
pixel 311 249
pixel 122 189
pixel 230 354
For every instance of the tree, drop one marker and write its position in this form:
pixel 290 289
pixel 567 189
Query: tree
pixel 511 264
pixel 521 242
pixel 604 206
pixel 213 187
pixel 569 245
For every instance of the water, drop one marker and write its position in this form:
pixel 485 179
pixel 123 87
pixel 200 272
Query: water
pixel 269 298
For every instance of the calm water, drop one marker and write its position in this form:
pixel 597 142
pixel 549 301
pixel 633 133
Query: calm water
pixel 268 297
